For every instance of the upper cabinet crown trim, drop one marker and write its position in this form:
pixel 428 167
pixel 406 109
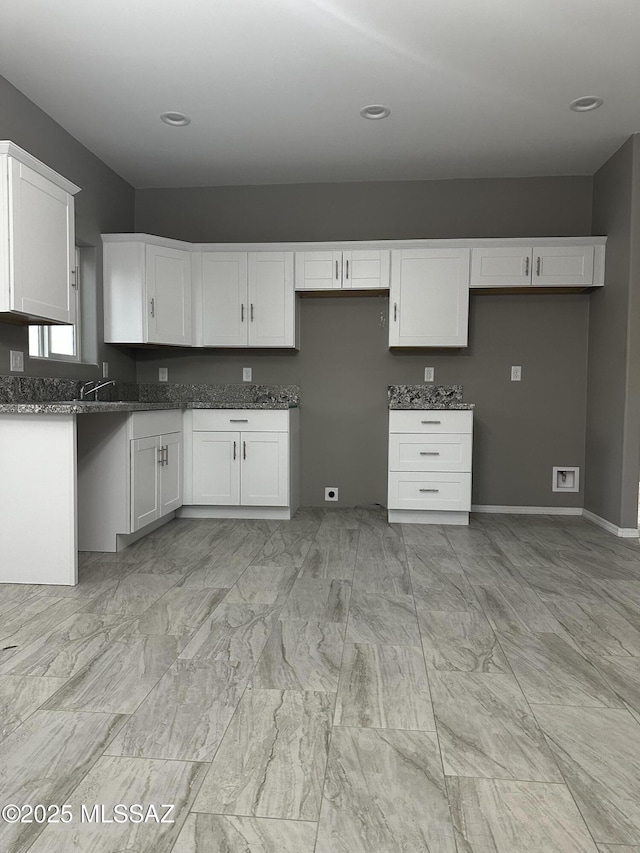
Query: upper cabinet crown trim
pixel 13 150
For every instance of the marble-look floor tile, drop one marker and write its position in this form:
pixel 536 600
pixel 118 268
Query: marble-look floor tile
pixel 594 565
pixel 385 619
pixel 623 674
pixel 623 596
pixel 384 792
pixel 381 565
pixel 339 519
pixel 38 627
pixel 127 780
pixel 120 677
pixel 515 608
pixel 598 750
pixel 332 555
pixel 14 594
pixel 133 594
pixel 318 601
pixel 20 696
pixel 486 729
pixel 35 610
pixel 215 573
pixel 471 542
pixel 67 649
pixel 262 585
pixel 595 627
pixel 384 687
pixel 461 641
pixel 236 633
pixel 490 570
pixel 288 546
pixel 271 762
pixel 179 613
pixel 301 655
pixel 212 833
pixel 617 848
pixel 524 555
pixel 558 580
pixel 498 816
pixel 441 558
pixel 435 589
pixel 196 701
pixel 425 536
pixel 43 761
pixel 552 672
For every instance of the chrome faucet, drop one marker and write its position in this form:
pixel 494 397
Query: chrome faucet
pixel 85 390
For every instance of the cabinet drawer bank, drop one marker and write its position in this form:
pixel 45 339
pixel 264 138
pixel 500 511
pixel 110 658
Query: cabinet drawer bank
pixel 430 466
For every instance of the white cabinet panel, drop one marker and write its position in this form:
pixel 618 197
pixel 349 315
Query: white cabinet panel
pixel 254 420
pixel 271 299
pixel 431 420
pixel 216 468
pixel 145 473
pixel 558 266
pixel 429 453
pixel 318 270
pixel 430 491
pixel 429 298
pixel 506 266
pixel 171 472
pixel 365 269
pixel 168 280
pixel 225 300
pixel 265 469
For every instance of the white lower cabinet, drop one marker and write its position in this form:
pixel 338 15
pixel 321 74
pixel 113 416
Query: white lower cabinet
pixel 430 466
pixel 242 471
pixel 156 477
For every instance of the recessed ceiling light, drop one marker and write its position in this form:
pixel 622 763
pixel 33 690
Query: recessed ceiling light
pixel 175 119
pixel 375 111
pixel 586 104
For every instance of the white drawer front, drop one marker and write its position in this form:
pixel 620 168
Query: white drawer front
pixel 431 420
pixel 446 452
pixel 244 420
pixel 412 490
pixel 158 422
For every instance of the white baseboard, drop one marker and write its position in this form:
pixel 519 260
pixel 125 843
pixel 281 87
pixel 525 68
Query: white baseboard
pixel 270 513
pixel 621 532
pixel 529 510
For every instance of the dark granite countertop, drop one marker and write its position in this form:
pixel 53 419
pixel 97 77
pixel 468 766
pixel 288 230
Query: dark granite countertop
pixel 427 397
pixel 88 407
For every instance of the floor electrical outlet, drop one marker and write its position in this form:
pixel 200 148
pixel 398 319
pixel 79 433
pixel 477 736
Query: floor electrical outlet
pixel 331 493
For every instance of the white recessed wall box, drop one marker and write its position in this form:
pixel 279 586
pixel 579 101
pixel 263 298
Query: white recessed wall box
pixel 565 480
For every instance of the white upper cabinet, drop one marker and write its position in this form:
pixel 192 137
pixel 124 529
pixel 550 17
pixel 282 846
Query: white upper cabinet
pixel 429 298
pixel 537 266
pixel 37 239
pixel 353 269
pixel 248 299
pixel 147 291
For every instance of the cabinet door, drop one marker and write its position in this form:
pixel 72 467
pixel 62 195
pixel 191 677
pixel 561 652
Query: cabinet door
pixel 363 269
pixel 42 246
pixel 225 304
pixel 506 266
pixel 271 299
pixel 216 468
pixel 265 469
pixel 168 280
pixel 146 460
pixel 318 270
pixel 429 298
pixel 171 472
pixel 558 266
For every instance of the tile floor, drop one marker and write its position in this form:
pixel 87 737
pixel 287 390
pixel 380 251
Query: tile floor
pixel 331 684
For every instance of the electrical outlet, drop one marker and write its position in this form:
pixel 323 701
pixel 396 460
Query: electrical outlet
pixel 163 374
pixel 331 493
pixel 105 369
pixel 516 373
pixel 16 361
pixel 429 374
pixel 246 374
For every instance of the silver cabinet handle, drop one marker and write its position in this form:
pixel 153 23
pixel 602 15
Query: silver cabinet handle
pixel 252 312
pixel 347 269
pixel 244 449
pixel 430 422
pixel 526 265
pixel 234 450
pixel 153 307
pixel 74 278
pixel 238 420
pixel 395 312
pixel 429 490
pixel 538 264
pixel 336 270
pixel 429 453
pixel 160 455
pixel 242 313
pixel 166 454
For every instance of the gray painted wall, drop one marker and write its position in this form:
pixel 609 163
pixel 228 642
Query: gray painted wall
pixel 613 410
pixel 344 366
pixel 105 203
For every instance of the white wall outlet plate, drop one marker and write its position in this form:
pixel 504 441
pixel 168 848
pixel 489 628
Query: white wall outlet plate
pixel 163 374
pixel 105 369
pixel 331 493
pixel 16 361
pixel 516 373
pixel 429 374
pixel 246 374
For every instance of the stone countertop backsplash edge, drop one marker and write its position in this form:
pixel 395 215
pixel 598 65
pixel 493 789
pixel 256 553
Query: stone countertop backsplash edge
pixel 427 397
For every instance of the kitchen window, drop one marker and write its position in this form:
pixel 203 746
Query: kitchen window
pixel 59 343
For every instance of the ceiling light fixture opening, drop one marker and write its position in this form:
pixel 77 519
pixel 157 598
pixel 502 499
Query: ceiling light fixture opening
pixel 175 119
pixel 586 104
pixel 375 111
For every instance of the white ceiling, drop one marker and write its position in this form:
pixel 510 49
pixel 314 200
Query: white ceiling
pixel 477 88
